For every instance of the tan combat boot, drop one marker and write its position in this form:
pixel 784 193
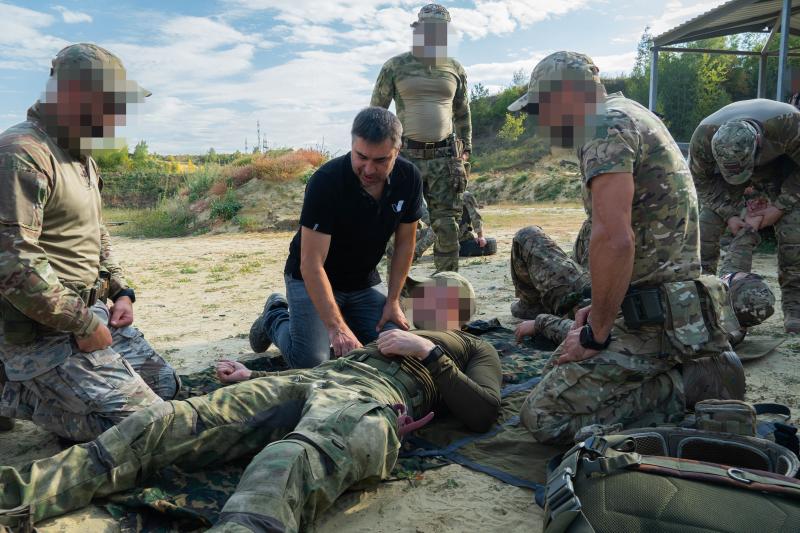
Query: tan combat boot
pixel 720 377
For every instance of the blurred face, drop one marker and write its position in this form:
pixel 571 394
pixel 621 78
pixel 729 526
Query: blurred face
pixel 445 305
pixel 567 111
pixel 429 43
pixel 371 162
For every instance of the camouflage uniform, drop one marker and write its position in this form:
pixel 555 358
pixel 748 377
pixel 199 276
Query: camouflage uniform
pixel 52 248
pixel 636 378
pixel 773 172
pixel 316 431
pixel 470 225
pixel 443 173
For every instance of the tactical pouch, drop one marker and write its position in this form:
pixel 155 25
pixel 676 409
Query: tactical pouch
pixel 673 479
pixel 642 307
pixel 726 416
pixel 685 326
pixel 719 309
pixel 458 174
pixel 17 327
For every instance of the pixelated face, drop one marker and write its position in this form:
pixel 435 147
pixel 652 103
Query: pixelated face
pixel 83 107
pixel 372 162
pixel 442 304
pixel 429 43
pixel 568 111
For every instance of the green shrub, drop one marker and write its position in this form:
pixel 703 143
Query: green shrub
pixel 227 206
pixel 200 182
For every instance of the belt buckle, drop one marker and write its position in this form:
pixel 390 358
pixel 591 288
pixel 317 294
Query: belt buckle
pixel 429 147
pixel 560 496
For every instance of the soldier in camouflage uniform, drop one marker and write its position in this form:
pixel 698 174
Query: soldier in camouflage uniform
pixel 71 363
pixel 753 144
pixel 471 241
pixel 432 102
pixel 316 432
pixel 643 251
pixel 551 285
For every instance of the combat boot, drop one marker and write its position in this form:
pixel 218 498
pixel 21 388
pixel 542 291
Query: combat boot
pixel 720 377
pixel 259 337
pixel 526 310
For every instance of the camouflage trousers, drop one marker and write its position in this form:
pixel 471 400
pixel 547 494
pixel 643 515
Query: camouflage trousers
pixel 444 179
pixel 315 432
pixel 544 277
pixel 632 383
pixel 89 392
pixel 787 233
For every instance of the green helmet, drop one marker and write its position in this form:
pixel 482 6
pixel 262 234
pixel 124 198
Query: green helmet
pixel 432 13
pixel 752 300
pixel 734 148
pixel 424 288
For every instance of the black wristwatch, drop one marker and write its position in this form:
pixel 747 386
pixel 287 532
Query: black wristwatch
pixel 433 355
pixel 588 341
pixel 125 292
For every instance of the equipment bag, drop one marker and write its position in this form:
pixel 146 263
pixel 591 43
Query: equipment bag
pixel 674 480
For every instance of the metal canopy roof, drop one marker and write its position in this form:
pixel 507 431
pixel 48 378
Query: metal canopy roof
pixel 735 16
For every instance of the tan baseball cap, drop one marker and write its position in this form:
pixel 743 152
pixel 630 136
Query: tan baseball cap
pixel 86 61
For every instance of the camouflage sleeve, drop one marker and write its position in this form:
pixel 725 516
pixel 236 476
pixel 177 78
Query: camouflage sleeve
pixel 712 190
pixel 739 256
pixel 462 119
pixel 108 263
pixel 383 92
pixel 789 193
pixel 614 152
pixel 27 280
pixel 553 328
pixel 475 219
pixel 791 127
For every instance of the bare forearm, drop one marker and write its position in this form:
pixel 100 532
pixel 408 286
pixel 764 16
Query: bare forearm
pixel 611 265
pixel 321 293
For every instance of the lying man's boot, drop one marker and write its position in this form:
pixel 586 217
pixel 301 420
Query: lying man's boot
pixel 720 377
pixel 259 338
pixel 526 310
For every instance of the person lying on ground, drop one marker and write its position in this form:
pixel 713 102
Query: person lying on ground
pixel 315 432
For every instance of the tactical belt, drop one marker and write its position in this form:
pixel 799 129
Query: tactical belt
pixel 428 150
pixel 399 375
pixel 18 328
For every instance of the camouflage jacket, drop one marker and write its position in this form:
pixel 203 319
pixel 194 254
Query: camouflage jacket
pixel 52 240
pixel 664 212
pixel 406 66
pixel 779 125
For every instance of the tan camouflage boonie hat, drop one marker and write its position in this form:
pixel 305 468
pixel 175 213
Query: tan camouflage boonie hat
pixel 552 70
pixel 734 148
pixel 752 300
pixel 92 63
pixel 432 13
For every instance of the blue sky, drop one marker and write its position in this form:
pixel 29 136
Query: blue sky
pixel 302 68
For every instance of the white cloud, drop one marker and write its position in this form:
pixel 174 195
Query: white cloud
pixel 676 12
pixel 23 45
pixel 72 17
pixel 610 65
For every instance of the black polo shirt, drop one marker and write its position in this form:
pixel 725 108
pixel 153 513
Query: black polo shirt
pixel 336 204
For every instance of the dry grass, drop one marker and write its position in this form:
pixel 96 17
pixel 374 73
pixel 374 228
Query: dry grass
pixel 277 169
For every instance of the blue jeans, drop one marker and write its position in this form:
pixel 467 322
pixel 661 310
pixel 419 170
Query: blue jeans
pixel 301 335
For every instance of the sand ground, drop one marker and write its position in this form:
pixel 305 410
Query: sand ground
pixel 196 300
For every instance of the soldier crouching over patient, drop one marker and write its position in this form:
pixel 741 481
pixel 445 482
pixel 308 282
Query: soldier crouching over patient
pixel 74 364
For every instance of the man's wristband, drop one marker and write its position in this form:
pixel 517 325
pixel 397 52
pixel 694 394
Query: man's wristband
pixel 124 292
pixel 588 341
pixel 433 355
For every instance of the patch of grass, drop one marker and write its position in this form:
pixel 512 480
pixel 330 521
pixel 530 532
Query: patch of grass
pixel 482 179
pixel 250 267
pixel 219 268
pixel 520 180
pixel 557 187
pixel 227 206
pixel 183 280
pixel 188 270
pixel 170 218
pixel 247 223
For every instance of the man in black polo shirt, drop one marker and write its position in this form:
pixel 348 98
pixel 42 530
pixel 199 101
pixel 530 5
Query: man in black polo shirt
pixel 353 204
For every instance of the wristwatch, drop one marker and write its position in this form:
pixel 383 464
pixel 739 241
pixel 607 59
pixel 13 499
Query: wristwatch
pixel 433 355
pixel 125 292
pixel 588 341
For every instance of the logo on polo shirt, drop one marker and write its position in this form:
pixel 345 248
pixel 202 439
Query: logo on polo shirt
pixel 398 206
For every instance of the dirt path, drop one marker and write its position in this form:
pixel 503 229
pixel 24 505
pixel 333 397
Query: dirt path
pixel 196 299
